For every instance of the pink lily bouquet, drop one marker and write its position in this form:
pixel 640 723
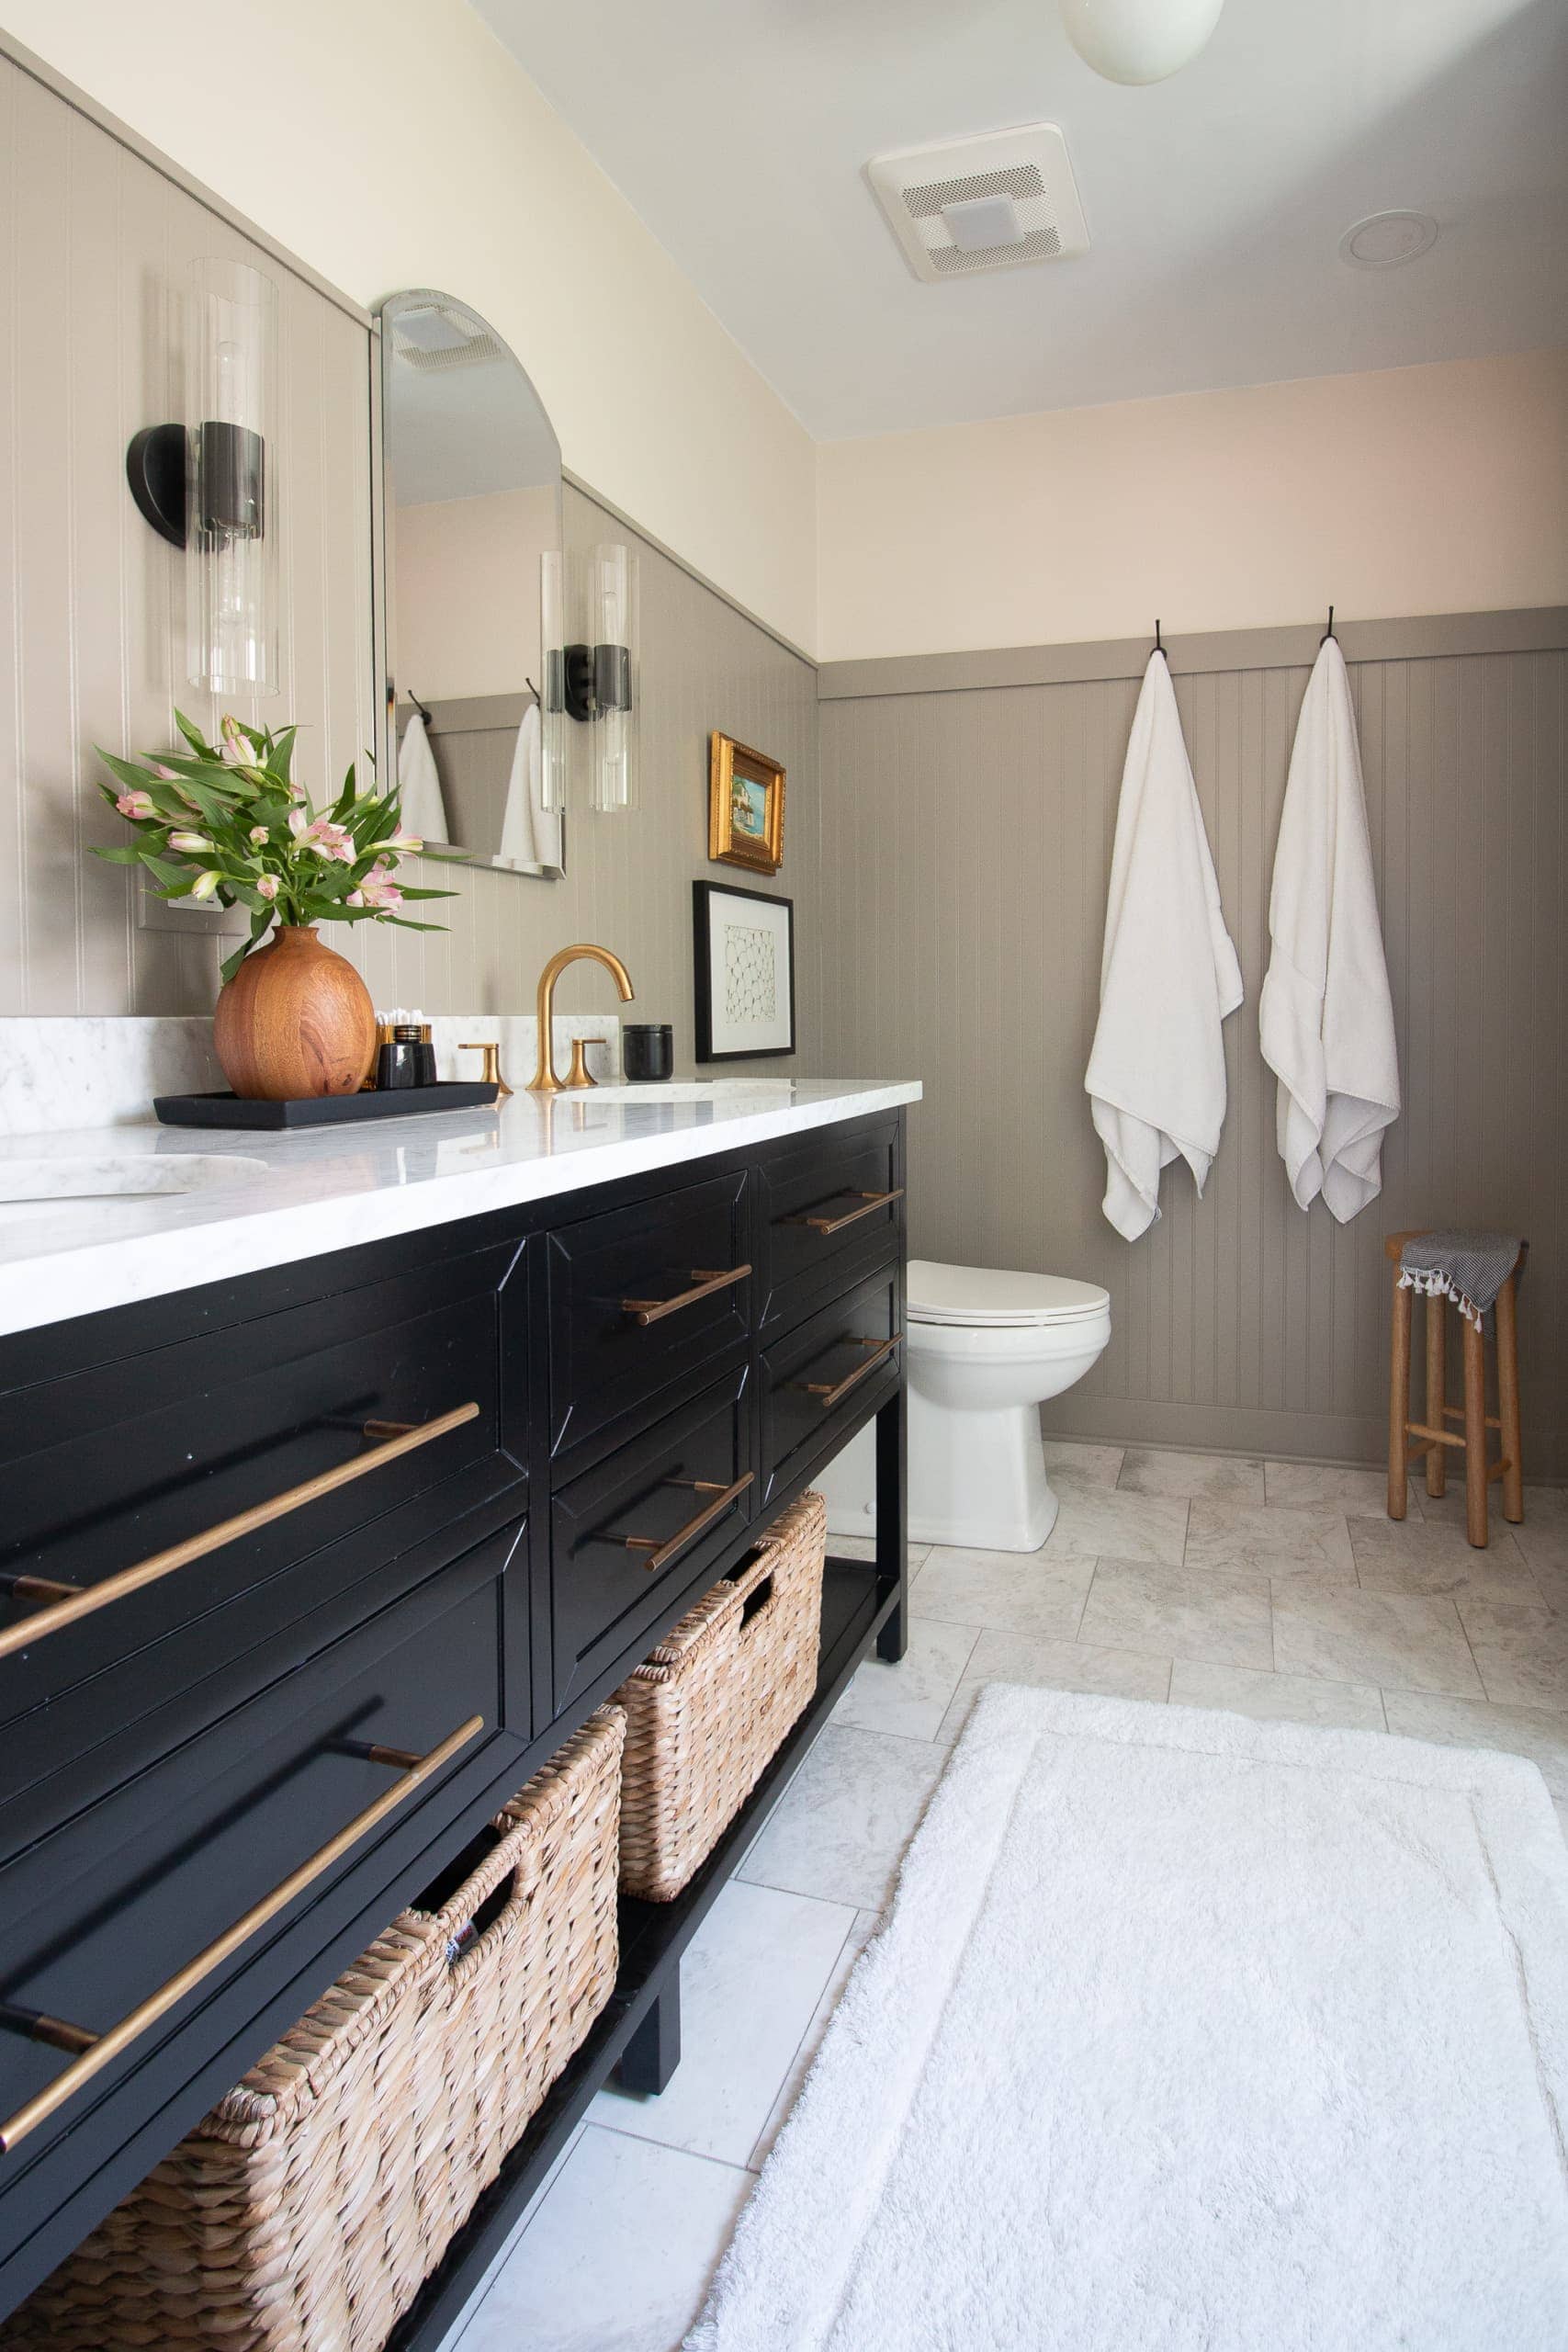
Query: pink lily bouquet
pixel 227 821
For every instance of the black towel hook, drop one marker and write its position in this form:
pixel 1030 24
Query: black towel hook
pixel 1159 642
pixel 420 707
pixel 1327 632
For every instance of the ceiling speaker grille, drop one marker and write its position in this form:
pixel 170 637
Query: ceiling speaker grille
pixel 1022 180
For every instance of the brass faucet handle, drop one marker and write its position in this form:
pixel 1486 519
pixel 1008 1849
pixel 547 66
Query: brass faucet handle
pixel 490 1073
pixel 579 1074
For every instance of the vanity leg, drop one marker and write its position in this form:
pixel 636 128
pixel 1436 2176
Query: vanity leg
pixel 652 2054
pixel 892 1522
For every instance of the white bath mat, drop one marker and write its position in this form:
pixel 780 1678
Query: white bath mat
pixel 1186 2032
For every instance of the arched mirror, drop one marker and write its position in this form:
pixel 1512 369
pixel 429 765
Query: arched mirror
pixel 472 508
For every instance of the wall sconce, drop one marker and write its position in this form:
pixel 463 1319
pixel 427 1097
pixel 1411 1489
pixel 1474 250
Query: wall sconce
pixel 203 484
pixel 599 680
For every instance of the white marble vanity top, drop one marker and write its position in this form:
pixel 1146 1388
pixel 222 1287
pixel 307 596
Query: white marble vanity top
pixel 296 1196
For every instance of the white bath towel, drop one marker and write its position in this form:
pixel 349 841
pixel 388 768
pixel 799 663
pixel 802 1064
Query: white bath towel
pixel 530 834
pixel 1168 974
pixel 1326 1019
pixel 423 808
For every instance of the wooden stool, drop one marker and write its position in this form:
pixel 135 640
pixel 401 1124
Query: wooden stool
pixel 1432 1439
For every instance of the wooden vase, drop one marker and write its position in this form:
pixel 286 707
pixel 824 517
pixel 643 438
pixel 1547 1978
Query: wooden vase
pixel 295 1021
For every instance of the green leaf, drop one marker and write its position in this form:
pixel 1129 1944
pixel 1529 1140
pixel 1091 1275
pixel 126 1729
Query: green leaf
pixel 128 855
pixel 170 869
pixel 409 893
pixel 281 757
pixel 217 812
pixel 259 924
pixel 139 779
pixel 193 736
pixel 405 923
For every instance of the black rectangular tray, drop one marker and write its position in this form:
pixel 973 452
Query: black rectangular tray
pixel 322 1111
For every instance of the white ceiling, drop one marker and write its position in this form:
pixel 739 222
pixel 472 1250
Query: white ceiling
pixel 739 129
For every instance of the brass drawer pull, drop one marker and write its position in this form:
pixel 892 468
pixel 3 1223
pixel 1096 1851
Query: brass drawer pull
pixel 869 1204
pixel 830 1391
pixel 81 1601
pixel 654 1310
pixel 98 2051
pixel 659 1554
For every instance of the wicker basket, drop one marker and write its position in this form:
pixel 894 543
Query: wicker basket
pixel 707 1709
pixel 304 2212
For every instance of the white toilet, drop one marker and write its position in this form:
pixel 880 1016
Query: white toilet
pixel 985 1349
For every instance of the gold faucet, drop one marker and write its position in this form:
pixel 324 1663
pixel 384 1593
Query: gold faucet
pixel 544 1081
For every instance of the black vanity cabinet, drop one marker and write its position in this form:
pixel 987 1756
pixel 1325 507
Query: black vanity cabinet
pixel 302 1574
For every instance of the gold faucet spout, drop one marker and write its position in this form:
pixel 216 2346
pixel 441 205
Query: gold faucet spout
pixel 544 1081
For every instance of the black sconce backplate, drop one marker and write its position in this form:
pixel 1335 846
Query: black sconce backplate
pixel 577 680
pixel 155 469
pixel 231 486
pixel 597 678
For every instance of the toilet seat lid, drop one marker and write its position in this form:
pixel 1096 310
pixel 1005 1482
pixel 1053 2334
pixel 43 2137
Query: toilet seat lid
pixel 984 1295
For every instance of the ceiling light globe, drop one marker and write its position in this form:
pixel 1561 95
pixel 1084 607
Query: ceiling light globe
pixel 1139 41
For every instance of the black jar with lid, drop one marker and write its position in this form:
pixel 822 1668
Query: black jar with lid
pixel 648 1051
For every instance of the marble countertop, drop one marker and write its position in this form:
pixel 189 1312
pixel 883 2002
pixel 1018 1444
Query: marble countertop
pixel 253 1200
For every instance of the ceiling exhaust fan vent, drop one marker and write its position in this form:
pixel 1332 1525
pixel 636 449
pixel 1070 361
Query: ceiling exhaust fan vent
pixel 970 205
pixel 431 335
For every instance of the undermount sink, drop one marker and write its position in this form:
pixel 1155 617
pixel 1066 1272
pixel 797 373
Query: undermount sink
pixel 39 1188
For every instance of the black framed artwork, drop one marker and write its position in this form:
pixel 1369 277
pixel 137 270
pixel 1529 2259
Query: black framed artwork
pixel 743 964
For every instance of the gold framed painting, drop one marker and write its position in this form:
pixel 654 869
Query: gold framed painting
pixel 746 801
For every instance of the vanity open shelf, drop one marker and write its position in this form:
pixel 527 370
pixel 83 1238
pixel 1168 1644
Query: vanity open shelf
pixel 638 2035
pixel 306 1570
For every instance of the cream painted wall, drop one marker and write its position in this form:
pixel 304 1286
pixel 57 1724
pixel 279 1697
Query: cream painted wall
pixel 395 142
pixel 467 580
pixel 1416 490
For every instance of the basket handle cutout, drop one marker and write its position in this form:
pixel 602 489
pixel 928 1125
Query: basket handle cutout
pixel 756 1601
pixel 471 1937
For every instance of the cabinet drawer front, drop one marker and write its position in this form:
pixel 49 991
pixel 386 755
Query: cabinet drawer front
pixel 125 1901
pixel 642 1298
pixel 824 1374
pixel 289 1424
pixel 644 1526
pixel 836 1201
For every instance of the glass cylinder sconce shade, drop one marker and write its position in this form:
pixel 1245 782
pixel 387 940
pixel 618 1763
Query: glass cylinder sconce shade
pixel 613 618
pixel 552 694
pixel 231 538
pixel 599 677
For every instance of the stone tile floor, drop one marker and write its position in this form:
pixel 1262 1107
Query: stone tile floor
pixel 1278 1589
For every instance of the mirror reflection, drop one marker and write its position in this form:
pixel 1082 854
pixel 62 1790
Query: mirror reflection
pixel 472 499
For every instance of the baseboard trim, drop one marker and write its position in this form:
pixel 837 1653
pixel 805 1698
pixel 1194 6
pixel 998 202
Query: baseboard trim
pixel 1349 1442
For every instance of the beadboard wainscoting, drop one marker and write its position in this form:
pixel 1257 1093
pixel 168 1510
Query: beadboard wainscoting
pixel 99 240
pixel 704 665
pixel 968 805
pixel 97 244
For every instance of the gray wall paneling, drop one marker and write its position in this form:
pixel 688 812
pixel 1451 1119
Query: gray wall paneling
pixel 966 833
pixel 95 232
pixel 627 883
pixel 92 239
